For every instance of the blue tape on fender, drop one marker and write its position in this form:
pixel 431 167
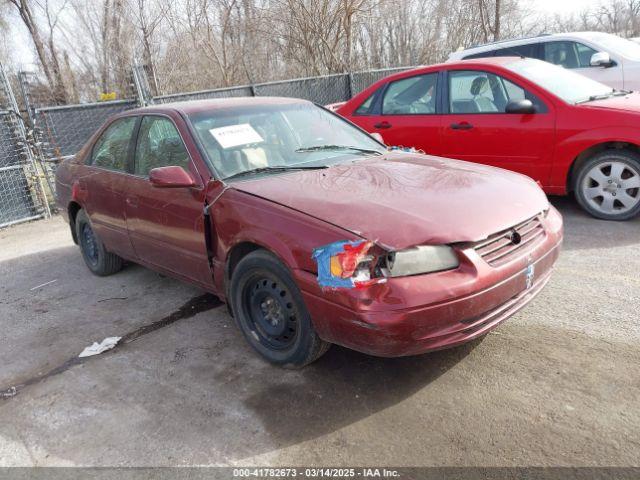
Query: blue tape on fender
pixel 322 256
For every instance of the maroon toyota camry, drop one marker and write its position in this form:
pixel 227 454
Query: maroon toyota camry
pixel 308 227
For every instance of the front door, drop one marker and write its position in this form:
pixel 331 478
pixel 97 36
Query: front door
pixel 166 225
pixel 477 129
pixel 405 116
pixel 577 56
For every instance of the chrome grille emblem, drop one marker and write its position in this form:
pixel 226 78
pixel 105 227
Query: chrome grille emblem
pixel 514 237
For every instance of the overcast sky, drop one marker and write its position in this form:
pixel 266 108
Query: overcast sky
pixel 563 6
pixel 23 54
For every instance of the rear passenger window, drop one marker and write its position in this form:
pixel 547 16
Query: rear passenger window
pixel 365 108
pixel 112 148
pixel 528 50
pixel 411 96
pixel 159 145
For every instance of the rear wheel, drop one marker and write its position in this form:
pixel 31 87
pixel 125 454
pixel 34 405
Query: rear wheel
pixel 95 255
pixel 608 185
pixel 268 308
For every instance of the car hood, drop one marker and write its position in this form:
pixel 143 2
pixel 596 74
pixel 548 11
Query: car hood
pixel 627 103
pixel 403 200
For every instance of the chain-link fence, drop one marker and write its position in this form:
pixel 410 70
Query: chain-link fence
pixel 28 157
pixel 322 90
pixel 361 80
pixel 59 131
pixel 22 196
pixel 243 91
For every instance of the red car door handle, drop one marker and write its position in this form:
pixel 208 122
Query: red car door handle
pixel 382 125
pixel 132 201
pixel 461 126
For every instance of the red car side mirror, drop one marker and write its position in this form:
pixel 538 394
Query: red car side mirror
pixel 171 177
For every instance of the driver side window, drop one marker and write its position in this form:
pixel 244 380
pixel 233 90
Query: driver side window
pixel 483 92
pixel 411 96
pixel 159 145
pixel 568 54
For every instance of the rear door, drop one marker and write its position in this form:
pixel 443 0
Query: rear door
pixel 166 225
pixel 404 112
pixel 477 129
pixel 103 184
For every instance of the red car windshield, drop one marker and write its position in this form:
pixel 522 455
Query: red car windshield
pixel 275 137
pixel 569 86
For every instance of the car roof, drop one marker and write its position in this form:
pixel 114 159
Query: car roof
pixel 499 61
pixel 484 61
pixel 489 60
pixel 196 106
pixel 524 41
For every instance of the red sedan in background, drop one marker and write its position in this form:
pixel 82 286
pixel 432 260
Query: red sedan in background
pixel 567 132
pixel 309 228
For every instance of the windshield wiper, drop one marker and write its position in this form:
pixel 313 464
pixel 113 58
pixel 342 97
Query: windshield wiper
pixel 318 148
pixel 276 169
pixel 601 96
pixel 618 93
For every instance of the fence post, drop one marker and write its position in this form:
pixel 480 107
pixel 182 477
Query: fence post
pixel 349 86
pixel 26 97
pixel 141 84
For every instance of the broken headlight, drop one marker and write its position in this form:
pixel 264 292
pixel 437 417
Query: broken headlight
pixel 418 260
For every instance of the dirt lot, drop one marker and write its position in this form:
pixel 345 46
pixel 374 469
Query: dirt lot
pixel 558 384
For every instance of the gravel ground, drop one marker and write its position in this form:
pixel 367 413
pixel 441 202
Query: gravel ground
pixel 557 384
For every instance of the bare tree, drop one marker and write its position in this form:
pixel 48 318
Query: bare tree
pixel 45 51
pixel 149 15
pixel 188 45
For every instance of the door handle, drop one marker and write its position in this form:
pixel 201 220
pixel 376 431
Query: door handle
pixel 384 124
pixel 132 201
pixel 461 126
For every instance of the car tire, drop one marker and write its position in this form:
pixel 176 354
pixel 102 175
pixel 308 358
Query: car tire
pixel 269 309
pixel 97 258
pixel 607 185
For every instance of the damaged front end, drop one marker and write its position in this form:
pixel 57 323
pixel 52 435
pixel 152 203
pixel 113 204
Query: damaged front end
pixel 359 264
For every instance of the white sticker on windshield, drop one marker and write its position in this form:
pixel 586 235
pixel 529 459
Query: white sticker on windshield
pixel 235 135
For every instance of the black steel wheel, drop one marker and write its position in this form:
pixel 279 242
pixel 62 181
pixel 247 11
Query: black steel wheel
pixel 269 310
pixel 99 260
pixel 89 245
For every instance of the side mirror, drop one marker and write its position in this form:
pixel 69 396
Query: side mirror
pixel 378 137
pixel 520 106
pixel 601 59
pixel 171 177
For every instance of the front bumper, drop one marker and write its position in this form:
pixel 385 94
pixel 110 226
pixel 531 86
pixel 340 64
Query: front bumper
pixel 413 315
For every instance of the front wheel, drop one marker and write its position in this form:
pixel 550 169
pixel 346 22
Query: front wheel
pixel 608 185
pixel 269 309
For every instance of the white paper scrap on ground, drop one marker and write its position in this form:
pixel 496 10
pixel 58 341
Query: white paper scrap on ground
pixel 235 135
pixel 97 348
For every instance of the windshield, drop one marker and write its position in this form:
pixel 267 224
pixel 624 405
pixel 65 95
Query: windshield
pixel 618 45
pixel 273 138
pixel 569 86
